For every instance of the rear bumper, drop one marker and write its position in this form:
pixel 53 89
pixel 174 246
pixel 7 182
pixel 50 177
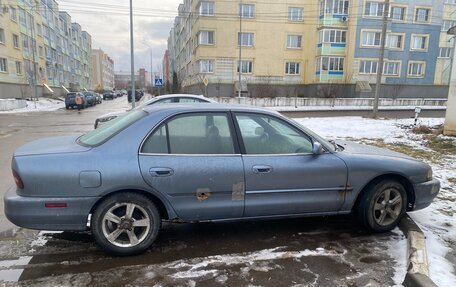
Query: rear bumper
pixel 425 192
pixel 30 212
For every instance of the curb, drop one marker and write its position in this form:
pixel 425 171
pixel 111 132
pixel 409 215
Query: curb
pixel 417 263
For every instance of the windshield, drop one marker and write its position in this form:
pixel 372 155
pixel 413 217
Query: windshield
pixel 111 128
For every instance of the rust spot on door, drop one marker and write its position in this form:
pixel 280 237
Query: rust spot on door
pixel 203 194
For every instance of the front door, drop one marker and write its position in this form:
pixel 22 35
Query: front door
pixel 282 175
pixel 192 159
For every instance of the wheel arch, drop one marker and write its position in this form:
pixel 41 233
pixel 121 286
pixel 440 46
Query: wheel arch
pixel 404 181
pixel 163 209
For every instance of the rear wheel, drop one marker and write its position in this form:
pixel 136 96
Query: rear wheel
pixel 382 206
pixel 126 224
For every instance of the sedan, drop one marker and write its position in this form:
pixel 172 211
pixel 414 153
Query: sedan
pixel 167 99
pixel 205 163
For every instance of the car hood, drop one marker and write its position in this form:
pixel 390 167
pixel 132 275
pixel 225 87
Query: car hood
pixel 113 114
pixel 52 145
pixel 355 148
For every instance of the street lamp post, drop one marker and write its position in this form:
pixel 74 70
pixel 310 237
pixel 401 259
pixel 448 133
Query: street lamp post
pixel 132 54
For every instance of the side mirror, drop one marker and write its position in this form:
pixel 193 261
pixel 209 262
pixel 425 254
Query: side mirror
pixel 317 148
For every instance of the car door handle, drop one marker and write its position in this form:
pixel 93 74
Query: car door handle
pixel 262 169
pixel 161 171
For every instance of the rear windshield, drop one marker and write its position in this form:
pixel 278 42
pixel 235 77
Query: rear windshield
pixel 71 95
pixel 111 128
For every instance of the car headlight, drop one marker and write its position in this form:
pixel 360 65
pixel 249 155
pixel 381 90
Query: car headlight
pixel 429 174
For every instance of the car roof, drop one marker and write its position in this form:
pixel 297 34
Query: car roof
pixel 176 108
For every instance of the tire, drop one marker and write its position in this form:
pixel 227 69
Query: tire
pixel 67 107
pixel 375 213
pixel 143 210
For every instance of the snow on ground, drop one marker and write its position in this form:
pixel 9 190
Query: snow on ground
pixel 43 104
pixel 438 221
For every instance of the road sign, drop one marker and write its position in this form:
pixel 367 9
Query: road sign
pixel 205 81
pixel 158 82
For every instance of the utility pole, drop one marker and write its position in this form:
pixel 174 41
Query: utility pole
pixel 240 48
pixel 151 73
pixel 133 88
pixel 381 60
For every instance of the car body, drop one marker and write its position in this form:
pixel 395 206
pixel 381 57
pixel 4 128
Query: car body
pixel 165 99
pixel 205 162
pixel 70 100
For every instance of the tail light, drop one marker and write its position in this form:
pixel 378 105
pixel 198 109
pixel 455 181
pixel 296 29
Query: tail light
pixel 18 180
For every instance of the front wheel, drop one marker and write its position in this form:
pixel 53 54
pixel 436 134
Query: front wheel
pixel 126 224
pixel 382 206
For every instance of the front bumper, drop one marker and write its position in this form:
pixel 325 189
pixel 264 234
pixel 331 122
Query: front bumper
pixel 30 212
pixel 425 192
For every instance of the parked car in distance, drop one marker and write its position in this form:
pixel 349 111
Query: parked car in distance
pixel 98 98
pixel 165 99
pixel 108 95
pixel 207 162
pixel 90 98
pixel 70 100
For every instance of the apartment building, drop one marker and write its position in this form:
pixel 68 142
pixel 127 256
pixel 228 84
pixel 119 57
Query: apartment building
pixel 41 44
pixel 298 47
pixel 103 70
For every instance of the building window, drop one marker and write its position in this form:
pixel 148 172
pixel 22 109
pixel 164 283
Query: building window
pixel 330 64
pixel 398 13
pixel 447 24
pixel 295 14
pixel 246 67
pixel 332 36
pixel 419 43
pixel 294 41
pixel 422 15
pixel 371 39
pixel 391 68
pixel 446 52
pixel 2 36
pixel 450 1
pixel 3 65
pixel 394 41
pixel 39 29
pixel 13 14
pixel 368 67
pixel 206 8
pixel 245 39
pixel 374 9
pixel 292 68
pixel 206 37
pixel 246 10
pixel 18 68
pixel 16 41
pixel 416 69
pixel 206 66
pixel 334 7
pixel 22 17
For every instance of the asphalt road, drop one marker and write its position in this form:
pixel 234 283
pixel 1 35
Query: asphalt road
pixel 331 251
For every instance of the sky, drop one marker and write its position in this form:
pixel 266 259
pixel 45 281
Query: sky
pixel 108 21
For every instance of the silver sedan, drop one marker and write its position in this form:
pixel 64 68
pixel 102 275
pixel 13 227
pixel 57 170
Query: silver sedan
pixel 205 162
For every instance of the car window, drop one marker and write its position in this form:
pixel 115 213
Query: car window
pixel 109 129
pixel 264 134
pixel 163 101
pixel 192 134
pixel 190 100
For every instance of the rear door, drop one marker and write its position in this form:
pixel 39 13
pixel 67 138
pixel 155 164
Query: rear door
pixel 194 160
